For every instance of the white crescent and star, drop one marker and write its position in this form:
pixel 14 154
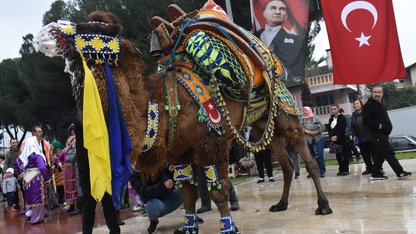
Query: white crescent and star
pixel 217 120
pixel 364 5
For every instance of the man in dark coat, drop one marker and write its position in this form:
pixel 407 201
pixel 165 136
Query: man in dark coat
pixel 375 116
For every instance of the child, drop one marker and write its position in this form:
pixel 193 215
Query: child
pixel 139 203
pixel 9 186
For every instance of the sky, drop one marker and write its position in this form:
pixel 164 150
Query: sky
pixel 19 21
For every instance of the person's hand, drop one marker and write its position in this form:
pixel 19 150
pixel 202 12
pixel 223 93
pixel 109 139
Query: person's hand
pixel 169 184
pixel 380 126
pixel 334 138
pixel 171 167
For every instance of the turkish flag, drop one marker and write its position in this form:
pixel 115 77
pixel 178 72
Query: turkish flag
pixel 364 43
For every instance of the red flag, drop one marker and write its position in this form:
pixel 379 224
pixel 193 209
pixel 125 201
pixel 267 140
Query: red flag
pixel 364 42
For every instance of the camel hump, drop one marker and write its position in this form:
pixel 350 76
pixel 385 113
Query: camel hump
pixel 105 17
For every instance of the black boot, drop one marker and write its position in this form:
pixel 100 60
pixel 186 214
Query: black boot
pixel 119 219
pixel 78 210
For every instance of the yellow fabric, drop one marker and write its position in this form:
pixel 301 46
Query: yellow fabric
pixel 96 138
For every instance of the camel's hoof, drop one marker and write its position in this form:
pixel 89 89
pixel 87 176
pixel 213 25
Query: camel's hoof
pixel 235 231
pixel 186 231
pixel 323 211
pixel 278 207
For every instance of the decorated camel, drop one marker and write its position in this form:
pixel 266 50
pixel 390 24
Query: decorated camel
pixel 188 112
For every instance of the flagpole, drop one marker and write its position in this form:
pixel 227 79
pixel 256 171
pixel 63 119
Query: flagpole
pixel 229 10
pixel 252 15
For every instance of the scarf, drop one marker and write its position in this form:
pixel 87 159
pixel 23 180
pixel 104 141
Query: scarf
pixel 31 146
pixel 309 112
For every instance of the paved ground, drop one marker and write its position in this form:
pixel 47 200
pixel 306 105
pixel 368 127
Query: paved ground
pixel 359 205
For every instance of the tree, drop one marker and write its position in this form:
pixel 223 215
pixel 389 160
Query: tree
pixel 306 95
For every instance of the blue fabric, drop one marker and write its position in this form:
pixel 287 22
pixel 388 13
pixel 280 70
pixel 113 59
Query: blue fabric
pixel 320 157
pixel 120 144
pixel 156 208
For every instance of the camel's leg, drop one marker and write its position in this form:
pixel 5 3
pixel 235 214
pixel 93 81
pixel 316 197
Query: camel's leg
pixel 295 135
pixel 213 155
pixel 189 194
pixel 279 151
pixel 313 170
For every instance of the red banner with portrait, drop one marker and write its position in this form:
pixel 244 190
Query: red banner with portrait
pixel 282 26
pixel 364 42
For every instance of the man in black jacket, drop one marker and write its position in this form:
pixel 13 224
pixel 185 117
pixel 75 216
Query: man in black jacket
pixel 375 116
pixel 159 195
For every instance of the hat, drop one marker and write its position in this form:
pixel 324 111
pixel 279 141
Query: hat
pixel 11 170
pixel 56 146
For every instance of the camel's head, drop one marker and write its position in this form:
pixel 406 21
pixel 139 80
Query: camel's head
pixel 64 38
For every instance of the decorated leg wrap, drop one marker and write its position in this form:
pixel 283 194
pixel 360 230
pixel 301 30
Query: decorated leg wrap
pixel 227 226
pixel 190 225
pixel 184 172
pixel 212 177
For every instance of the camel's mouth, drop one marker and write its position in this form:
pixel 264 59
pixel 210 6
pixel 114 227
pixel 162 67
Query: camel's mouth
pixel 52 38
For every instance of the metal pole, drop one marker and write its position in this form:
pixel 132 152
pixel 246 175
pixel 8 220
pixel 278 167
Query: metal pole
pixel 229 10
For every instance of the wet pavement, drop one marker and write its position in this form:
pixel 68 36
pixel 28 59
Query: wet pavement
pixel 359 205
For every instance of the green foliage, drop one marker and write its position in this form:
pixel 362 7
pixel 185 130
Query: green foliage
pixel 306 95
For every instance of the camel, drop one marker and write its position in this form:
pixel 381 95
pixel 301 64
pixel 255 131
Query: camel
pixel 181 139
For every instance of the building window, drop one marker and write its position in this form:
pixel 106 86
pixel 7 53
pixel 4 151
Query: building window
pixel 324 100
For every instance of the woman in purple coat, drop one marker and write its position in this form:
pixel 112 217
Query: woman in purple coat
pixel 32 165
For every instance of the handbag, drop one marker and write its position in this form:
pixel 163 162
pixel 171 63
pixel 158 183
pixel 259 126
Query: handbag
pixel 335 148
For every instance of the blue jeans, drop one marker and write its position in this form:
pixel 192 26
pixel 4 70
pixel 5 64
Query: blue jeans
pixel 156 208
pixel 320 157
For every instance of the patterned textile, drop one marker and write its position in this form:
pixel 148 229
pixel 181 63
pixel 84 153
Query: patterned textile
pixel 216 58
pixel 70 183
pixel 183 172
pixel 212 177
pixel 152 125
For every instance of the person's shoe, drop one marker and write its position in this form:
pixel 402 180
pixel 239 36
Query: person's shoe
pixel 271 180
pixel 322 175
pixel 138 208
pixel 235 206
pixel 382 171
pixel 380 177
pixel 75 212
pixel 203 209
pixel 124 206
pixel 297 176
pixel 54 207
pixel 404 175
pixel 71 208
pixel 119 221
pixel 200 220
pixel 345 173
pixel 260 181
pixel 339 173
pixel 152 227
pixel 366 172
pixel 22 213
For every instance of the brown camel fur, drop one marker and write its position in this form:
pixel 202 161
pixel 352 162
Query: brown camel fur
pixel 192 143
